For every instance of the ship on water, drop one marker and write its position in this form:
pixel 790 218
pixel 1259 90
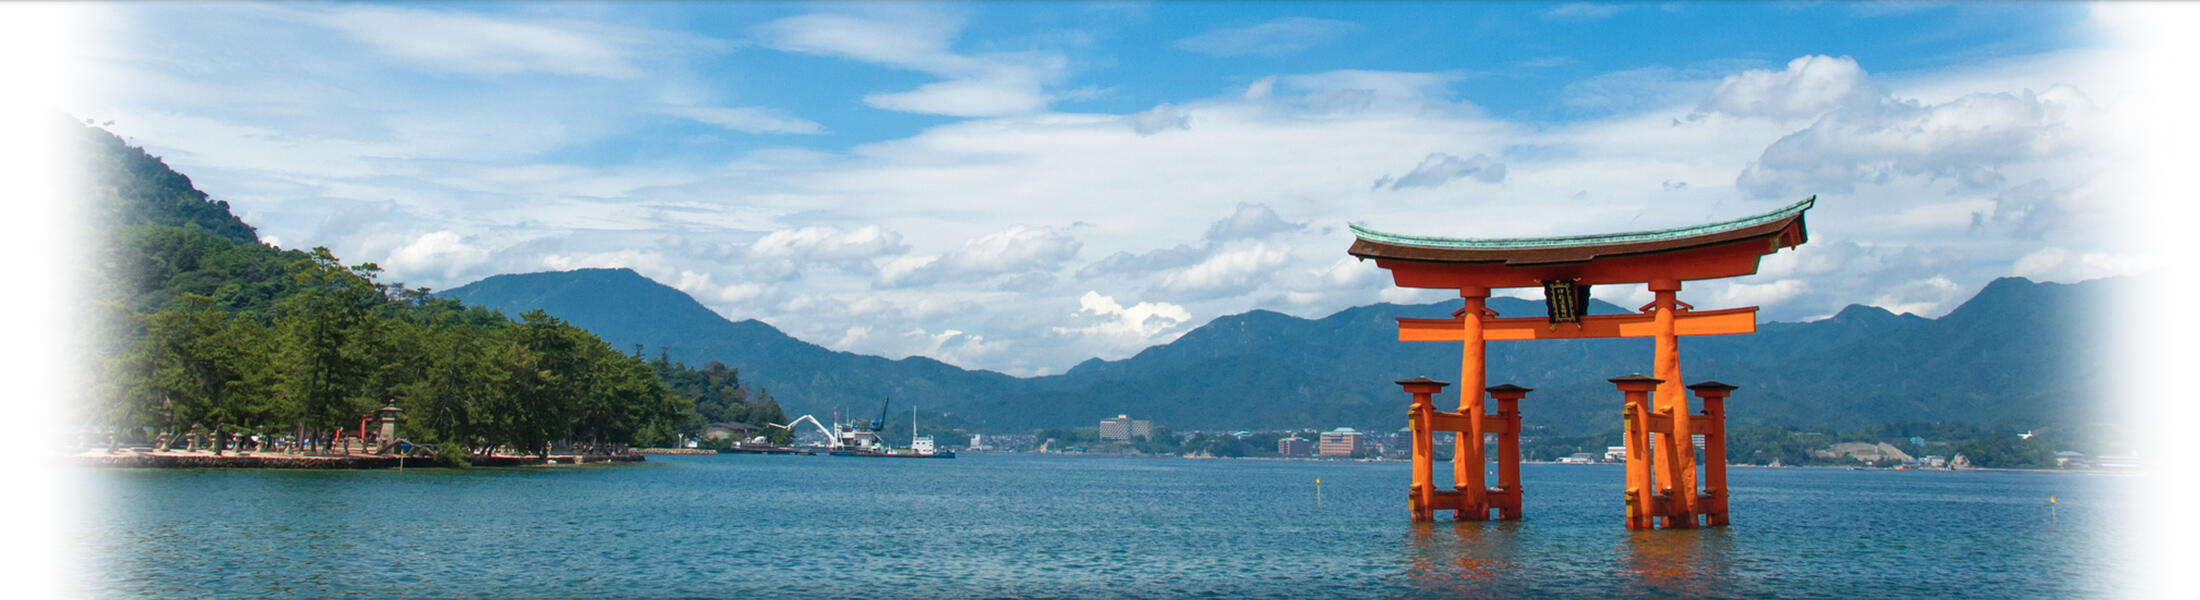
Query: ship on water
pixel 863 439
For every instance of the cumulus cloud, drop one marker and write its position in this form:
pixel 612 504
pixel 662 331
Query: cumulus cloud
pixel 1015 250
pixel 1228 273
pixel 1137 326
pixel 443 253
pixel 1809 87
pixel 1163 117
pixel 1929 298
pixel 1439 169
pixel 781 255
pixel 2027 210
pixel 1127 263
pixel 1965 140
pixel 1250 221
pixel 829 244
pixel 1274 38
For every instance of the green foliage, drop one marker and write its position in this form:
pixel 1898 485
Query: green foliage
pixel 202 326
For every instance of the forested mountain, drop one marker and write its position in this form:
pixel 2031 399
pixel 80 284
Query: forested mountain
pixel 2006 357
pixel 199 326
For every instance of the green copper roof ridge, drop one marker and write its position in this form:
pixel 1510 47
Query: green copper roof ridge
pixel 1674 233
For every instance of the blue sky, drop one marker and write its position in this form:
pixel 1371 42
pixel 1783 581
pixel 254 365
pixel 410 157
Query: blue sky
pixel 1022 186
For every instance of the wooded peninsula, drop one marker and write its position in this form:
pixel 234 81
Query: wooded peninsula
pixel 200 328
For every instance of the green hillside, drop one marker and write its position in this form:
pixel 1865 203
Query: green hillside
pixel 201 327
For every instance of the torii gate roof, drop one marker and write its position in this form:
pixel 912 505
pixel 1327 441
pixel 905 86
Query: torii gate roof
pixel 1713 250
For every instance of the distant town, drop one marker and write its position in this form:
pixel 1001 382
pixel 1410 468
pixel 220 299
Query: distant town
pixel 1897 446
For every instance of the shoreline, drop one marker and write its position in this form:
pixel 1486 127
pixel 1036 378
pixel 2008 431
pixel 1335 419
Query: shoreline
pixel 136 459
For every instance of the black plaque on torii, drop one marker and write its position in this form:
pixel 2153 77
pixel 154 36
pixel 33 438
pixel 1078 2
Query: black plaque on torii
pixel 1565 300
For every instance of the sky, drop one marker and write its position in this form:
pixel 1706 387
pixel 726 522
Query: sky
pixel 1024 186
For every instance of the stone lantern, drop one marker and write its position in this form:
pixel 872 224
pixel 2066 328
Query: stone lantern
pixel 387 417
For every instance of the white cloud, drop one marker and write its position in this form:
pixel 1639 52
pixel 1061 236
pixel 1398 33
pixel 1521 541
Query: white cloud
pixel 1163 117
pixel 1583 11
pixel 1016 250
pixel 443 252
pixel 786 254
pixel 749 119
pixel 1279 37
pixel 1642 89
pixel 1138 326
pixel 1439 169
pixel 2063 265
pixel 1250 221
pixel 1355 91
pixel 1260 88
pixel 1737 293
pixel 977 97
pixel 1928 298
pixel 974 85
pixel 1809 87
pixel 1228 273
pixel 483 44
pixel 829 244
pixel 1966 140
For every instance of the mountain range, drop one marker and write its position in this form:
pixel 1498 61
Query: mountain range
pixel 2010 356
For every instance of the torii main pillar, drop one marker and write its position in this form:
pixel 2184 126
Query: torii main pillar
pixel 1566 267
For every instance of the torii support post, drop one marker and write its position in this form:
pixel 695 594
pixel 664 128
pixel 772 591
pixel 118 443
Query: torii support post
pixel 1642 504
pixel 1506 496
pixel 1714 449
pixel 1467 460
pixel 1421 498
pixel 1676 447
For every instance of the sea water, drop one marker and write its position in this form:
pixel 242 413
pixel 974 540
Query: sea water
pixel 1024 526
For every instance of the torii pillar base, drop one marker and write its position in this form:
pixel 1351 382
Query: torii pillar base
pixel 1423 499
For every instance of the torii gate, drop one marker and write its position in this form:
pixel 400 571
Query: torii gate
pixel 1565 267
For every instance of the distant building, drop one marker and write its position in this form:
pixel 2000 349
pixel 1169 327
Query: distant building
pixel 1342 441
pixel 1577 458
pixel 1123 428
pixel 1615 453
pixel 1294 446
pixel 2068 459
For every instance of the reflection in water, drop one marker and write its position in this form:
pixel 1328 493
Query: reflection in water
pixel 1462 555
pixel 1686 563
pixel 1512 558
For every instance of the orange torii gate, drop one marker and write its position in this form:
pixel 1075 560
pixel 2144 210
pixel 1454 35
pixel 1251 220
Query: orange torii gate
pixel 1565 267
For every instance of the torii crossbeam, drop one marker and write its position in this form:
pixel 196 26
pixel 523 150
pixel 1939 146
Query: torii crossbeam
pixel 1565 267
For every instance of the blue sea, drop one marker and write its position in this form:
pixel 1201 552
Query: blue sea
pixel 1026 526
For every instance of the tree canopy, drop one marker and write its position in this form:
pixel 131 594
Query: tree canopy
pixel 201 325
